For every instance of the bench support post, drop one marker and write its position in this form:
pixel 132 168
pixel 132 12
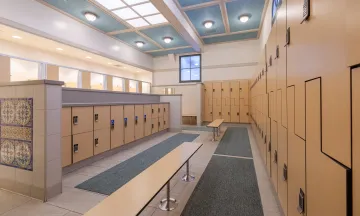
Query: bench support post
pixel 214 134
pixel 168 204
pixel 187 177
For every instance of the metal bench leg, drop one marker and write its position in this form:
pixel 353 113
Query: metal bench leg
pixel 168 204
pixel 218 129
pixel 214 139
pixel 187 177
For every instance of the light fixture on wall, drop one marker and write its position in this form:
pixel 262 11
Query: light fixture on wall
pixel 167 39
pixel 16 37
pixel 90 16
pixel 244 18
pixel 139 44
pixel 59 49
pixel 88 57
pixel 208 24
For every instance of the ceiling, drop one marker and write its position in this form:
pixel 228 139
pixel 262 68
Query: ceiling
pixel 131 21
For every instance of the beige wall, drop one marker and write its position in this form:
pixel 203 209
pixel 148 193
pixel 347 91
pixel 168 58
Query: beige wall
pixel 52 72
pixel 86 80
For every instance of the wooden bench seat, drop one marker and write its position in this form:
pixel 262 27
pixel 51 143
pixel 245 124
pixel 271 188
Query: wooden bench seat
pixel 216 126
pixel 134 196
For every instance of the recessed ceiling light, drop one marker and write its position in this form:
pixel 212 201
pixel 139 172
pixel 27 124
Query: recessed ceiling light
pixel 111 4
pixel 88 57
pixel 109 63
pixel 208 24
pixel 17 37
pixel 124 67
pixel 139 43
pixel 90 16
pixel 244 18
pixel 167 39
pixel 59 49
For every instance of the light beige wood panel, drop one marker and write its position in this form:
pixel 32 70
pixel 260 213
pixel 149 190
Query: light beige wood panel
pixel 5 69
pixel 225 89
pixel 147 120
pixel 52 72
pixel 161 124
pixel 83 147
pixel 353 32
pixel 244 90
pixel 109 83
pixel 139 121
pixel 85 80
pixel 66 151
pixel 282 163
pixel 154 125
pixel 356 139
pixel 270 56
pixel 117 131
pixel 268 150
pixel 226 109
pixel 274 154
pixel 66 121
pixel 217 114
pixel 161 111
pixel 101 140
pixel 296 159
pixel 326 190
pixel 154 110
pixel 327 59
pixel 234 91
pixel 101 117
pixel 235 113
pixel 127 85
pixel 216 87
pixel 82 119
pixel 145 185
pixel 244 118
pixel 129 123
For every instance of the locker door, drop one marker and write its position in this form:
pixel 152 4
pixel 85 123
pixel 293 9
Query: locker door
pixel 66 150
pixel 244 90
pixel 117 126
pixel 235 113
pixel 225 101
pixel 101 117
pixel 139 121
pixel 154 125
pixel 66 121
pixel 154 110
pixel 235 101
pixel 82 119
pixel 83 146
pixel 101 140
pixel 208 103
pixel 244 109
pixel 161 111
pixel 166 116
pixel 129 120
pixel 161 124
pixel 147 120
pixel 216 100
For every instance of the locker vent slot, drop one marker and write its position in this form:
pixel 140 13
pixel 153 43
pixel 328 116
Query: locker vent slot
pixel 76 148
pixel 285 173
pixel 306 10
pixel 301 206
pixel 96 142
pixel 75 120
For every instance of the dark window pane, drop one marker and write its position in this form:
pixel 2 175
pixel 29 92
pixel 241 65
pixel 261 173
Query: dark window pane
pixel 185 62
pixel 195 74
pixel 185 75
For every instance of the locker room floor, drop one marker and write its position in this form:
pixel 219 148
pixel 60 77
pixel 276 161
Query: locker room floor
pixel 75 202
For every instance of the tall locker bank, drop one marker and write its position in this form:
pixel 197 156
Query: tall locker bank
pixel 235 101
pixel 147 120
pixel 117 126
pixel 139 121
pixel 216 98
pixel 225 101
pixel 208 101
pixel 129 123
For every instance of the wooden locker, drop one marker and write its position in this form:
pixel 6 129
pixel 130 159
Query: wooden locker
pixel 66 151
pixel 66 121
pixel 139 121
pixel 244 118
pixel 268 145
pixel 83 145
pixel 356 139
pixel 154 125
pixel 117 126
pixel 225 101
pixel 282 167
pixel 235 101
pixel 101 140
pixel 208 101
pixel 161 110
pixel 161 124
pixel 217 109
pixel 101 117
pixel 166 116
pixel 129 123
pixel 82 119
pixel 274 154
pixel 235 113
pixel 154 110
pixel 147 120
pixel 244 90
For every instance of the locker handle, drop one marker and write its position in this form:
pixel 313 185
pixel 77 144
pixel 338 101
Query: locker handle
pixel 301 206
pixel 213 90
pixel 231 89
pixel 75 120
pixel 136 120
pixel 152 125
pixel 125 122
pixel 152 110
pixel 247 113
pixel 144 118
pixel 265 139
pixel 96 142
pixel 240 89
pixel 211 113
pixel 76 148
pixel 96 117
pixel 112 123
pixel 269 150
pixel 164 109
pixel 158 110
pixel 275 157
pixel 237 113
pixel 159 124
pixel 164 122
pixel 285 173
pixel 219 113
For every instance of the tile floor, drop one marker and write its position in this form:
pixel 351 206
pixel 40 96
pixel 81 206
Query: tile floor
pixel 75 202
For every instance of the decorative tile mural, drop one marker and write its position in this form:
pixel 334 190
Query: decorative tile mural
pixel 16 132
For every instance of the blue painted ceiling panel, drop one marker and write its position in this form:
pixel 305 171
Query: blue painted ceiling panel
pixel 77 8
pixel 177 51
pixel 228 38
pixel 158 33
pixel 235 9
pixel 185 3
pixel 132 37
pixel 199 16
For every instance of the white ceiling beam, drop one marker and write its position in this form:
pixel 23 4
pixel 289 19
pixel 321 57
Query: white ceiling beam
pixel 225 17
pixel 172 13
pixel 202 5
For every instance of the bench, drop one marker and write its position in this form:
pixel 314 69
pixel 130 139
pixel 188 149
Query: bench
pixel 135 195
pixel 215 125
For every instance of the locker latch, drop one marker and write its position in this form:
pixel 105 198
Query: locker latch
pixel 301 206
pixel 277 51
pixel 96 142
pixel 213 90
pixel 125 122
pixel 262 134
pixel 240 89
pixel 228 113
pixel 159 124
pixel 144 118
pixel 269 149
pixel 237 113
pixel 287 37
pixel 164 110
pixel 211 113
pixel 152 110
pixel 158 110
pixel 275 157
pixel 231 89
pixel 112 123
pixel 76 148
pixel 219 113
pixel 222 89
pixel 152 125
pixel 96 117
pixel 164 122
pixel 136 120
pixel 75 120
pixel 285 173
pixel 247 113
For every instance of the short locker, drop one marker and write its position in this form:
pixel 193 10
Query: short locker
pixel 66 121
pixel 147 120
pixel 129 123
pixel 244 109
pixel 225 101
pixel 166 117
pixel 166 109
pixel 217 109
pixel 66 151
pixel 101 117
pixel 161 124
pixel 82 146
pixel 235 113
pixel 154 125
pixel 82 119
pixel 244 90
pixel 101 140
pixel 154 110
pixel 116 126
pixel 139 121
pixel 161 110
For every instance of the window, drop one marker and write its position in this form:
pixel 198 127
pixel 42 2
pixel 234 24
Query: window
pixel 69 77
pixel 190 68
pixel 145 87
pixel 275 6
pixel 97 81
pixel 118 84
pixel 133 86
pixel 21 70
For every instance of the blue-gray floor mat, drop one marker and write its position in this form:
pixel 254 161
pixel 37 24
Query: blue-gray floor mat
pixel 112 179
pixel 197 128
pixel 235 142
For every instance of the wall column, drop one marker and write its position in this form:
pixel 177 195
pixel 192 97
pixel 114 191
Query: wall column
pixel 52 72
pixel 4 69
pixel 109 83
pixel 86 80
pixel 139 86
pixel 127 86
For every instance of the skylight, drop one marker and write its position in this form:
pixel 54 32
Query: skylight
pixel 132 2
pixel 145 9
pixel 139 22
pixel 125 13
pixel 111 4
pixel 156 19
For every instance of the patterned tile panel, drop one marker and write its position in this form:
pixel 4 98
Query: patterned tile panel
pixel 16 132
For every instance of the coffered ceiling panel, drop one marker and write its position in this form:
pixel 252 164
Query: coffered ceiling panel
pixel 185 3
pixel 132 37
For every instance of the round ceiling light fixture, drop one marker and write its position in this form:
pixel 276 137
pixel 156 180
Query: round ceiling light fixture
pixel 90 16
pixel 167 39
pixel 16 37
pixel 139 44
pixel 244 18
pixel 208 24
pixel 59 49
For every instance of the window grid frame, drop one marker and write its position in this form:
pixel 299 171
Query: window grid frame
pixel 180 69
